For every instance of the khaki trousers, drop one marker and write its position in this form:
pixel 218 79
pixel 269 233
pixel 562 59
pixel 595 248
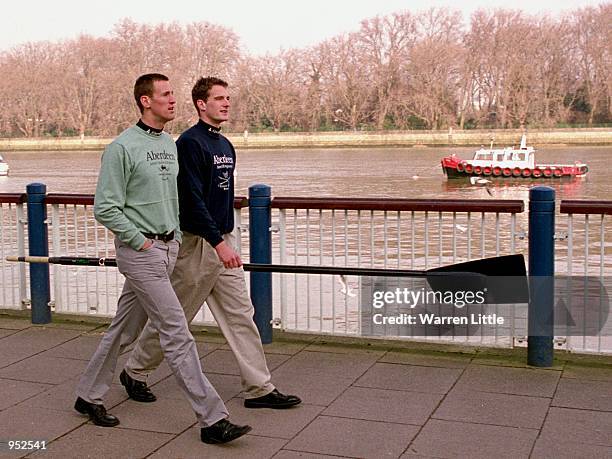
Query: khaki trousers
pixel 198 277
pixel 147 293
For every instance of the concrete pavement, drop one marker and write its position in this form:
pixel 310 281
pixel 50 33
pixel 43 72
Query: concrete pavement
pixel 380 400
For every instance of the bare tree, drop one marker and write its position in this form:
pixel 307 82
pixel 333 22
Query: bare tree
pixel 345 77
pixel 30 86
pixel 384 43
pixel 275 88
pixel 432 71
pixel 592 36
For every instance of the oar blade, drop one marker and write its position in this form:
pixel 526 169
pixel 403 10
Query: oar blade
pixel 506 265
pixel 503 279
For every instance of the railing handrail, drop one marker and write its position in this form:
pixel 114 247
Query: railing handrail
pixel 13 198
pixel 423 205
pixel 575 206
pixel 88 199
pixel 68 198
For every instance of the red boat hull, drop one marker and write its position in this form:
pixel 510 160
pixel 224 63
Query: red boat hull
pixel 454 167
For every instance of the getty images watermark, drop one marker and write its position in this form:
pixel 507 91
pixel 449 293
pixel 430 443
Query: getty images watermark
pixel 410 298
pixel 460 305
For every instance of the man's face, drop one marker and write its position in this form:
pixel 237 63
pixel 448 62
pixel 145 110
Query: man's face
pixel 162 102
pixel 216 108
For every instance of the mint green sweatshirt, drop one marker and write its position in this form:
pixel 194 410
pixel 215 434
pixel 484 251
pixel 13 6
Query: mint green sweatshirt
pixel 136 189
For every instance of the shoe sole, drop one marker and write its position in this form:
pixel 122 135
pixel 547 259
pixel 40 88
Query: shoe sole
pixel 212 441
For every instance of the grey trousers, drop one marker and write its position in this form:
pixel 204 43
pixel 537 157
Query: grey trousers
pixel 200 276
pixel 148 294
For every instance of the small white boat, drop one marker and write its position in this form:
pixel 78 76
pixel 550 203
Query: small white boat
pixel 507 163
pixel 4 167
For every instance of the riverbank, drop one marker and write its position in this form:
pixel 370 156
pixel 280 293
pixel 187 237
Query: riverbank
pixel 448 138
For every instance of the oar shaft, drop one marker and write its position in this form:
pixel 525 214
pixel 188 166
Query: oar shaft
pixel 70 261
pixel 337 270
pixel 254 267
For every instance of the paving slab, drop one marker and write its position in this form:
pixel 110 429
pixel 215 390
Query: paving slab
pixel 547 448
pixel 353 438
pixel 22 422
pixel 410 378
pixel 13 323
pixel 67 325
pixel 62 397
pixel 14 392
pixel 91 441
pixel 460 439
pixel 32 341
pixel 600 373
pixel 331 364
pixel 223 361
pixel 428 360
pixel 4 333
pixel 287 454
pixel 516 381
pixel 584 394
pixel 384 405
pixel 227 386
pixel 591 427
pixel 511 360
pixel 212 338
pixel 340 349
pixel 189 445
pixel 494 409
pixel 279 347
pixel 314 389
pixel 273 423
pixel 79 348
pixel 44 369
pixel 166 415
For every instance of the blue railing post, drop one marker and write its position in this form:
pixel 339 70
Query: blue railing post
pixel 541 276
pixel 38 242
pixel 260 251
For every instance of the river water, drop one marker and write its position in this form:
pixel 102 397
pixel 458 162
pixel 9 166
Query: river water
pixel 376 173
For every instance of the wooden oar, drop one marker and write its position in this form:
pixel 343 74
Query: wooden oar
pixel 504 278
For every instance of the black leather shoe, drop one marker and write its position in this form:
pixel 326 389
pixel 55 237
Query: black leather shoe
pixel 222 431
pixel 274 400
pixel 97 413
pixel 137 390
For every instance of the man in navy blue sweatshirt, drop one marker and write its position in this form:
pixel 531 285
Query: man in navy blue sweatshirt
pixel 208 267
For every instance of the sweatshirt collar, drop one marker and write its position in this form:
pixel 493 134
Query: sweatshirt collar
pixel 211 130
pixel 148 129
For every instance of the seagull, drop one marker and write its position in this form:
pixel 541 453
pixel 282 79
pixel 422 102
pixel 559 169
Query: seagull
pixel 346 289
pixel 461 228
pixel 481 181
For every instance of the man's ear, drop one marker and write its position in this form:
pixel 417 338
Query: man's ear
pixel 145 101
pixel 201 105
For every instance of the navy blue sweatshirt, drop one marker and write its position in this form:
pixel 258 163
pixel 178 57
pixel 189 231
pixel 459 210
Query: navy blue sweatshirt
pixel 206 182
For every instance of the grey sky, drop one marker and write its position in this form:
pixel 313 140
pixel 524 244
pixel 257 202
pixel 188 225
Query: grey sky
pixel 263 26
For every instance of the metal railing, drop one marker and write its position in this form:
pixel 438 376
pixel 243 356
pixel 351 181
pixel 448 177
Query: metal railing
pixel 392 234
pixel 583 253
pixel 13 237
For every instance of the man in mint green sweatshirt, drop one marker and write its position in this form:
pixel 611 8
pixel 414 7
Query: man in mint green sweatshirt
pixel 136 198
